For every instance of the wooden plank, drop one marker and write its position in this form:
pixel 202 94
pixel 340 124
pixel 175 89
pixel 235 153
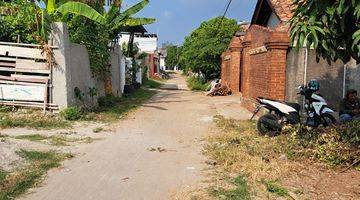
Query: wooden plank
pixel 7 59
pixel 11 82
pixel 26 104
pixel 23 52
pixel 18 80
pixel 24 45
pixel 7 64
pixel 22 92
pixel 25 70
pixel 27 77
pixel 30 64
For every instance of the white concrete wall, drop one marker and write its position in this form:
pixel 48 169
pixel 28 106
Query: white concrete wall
pixel 73 70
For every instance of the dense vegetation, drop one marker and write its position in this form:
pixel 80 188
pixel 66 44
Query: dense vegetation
pixel 202 49
pixel 18 22
pixel 173 54
pixel 331 27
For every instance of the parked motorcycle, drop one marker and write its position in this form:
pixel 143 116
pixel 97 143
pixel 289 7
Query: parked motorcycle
pixel 284 113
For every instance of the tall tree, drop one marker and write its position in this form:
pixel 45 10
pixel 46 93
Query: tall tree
pixel 332 27
pixel 172 57
pixel 202 49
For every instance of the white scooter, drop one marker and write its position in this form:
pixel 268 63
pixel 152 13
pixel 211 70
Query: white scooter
pixel 283 113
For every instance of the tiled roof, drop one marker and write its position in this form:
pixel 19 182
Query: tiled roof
pixel 283 9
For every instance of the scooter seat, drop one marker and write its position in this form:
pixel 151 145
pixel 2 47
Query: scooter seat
pixel 296 106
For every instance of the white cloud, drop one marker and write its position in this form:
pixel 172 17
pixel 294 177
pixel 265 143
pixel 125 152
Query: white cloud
pixel 167 13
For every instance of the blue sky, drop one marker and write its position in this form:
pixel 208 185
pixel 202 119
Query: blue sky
pixel 177 18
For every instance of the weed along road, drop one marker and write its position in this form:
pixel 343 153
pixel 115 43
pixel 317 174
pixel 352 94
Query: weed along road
pixel 153 153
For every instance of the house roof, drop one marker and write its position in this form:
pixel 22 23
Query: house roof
pixel 282 9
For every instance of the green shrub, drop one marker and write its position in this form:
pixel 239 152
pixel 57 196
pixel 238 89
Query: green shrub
pixel 71 113
pixel 108 101
pixel 5 109
pixel 18 21
pixel 197 84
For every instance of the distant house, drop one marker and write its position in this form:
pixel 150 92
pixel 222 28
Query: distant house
pixel 162 55
pixel 146 42
pixel 261 62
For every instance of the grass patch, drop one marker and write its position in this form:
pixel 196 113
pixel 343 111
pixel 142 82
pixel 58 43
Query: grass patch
pixel 3 175
pixel 56 140
pixel 196 84
pixel 241 190
pixel 151 83
pixel 98 129
pixel 240 147
pixel 38 163
pixel 125 104
pixel 276 188
pixel 32 119
pixel 34 137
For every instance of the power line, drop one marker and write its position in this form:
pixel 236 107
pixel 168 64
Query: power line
pixel 223 16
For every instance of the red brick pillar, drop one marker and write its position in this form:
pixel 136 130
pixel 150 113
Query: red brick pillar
pixel 246 64
pixel 223 67
pixel 235 52
pixel 277 48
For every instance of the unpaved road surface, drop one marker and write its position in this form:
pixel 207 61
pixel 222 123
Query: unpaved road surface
pixel 152 154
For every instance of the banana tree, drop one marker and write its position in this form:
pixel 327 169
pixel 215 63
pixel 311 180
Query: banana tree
pixel 117 21
pixel 53 8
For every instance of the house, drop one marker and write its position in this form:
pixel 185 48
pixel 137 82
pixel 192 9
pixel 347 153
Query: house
pixel 146 42
pixel 260 60
pixel 162 55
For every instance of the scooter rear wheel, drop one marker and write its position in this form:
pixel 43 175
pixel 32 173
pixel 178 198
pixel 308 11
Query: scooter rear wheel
pixel 268 125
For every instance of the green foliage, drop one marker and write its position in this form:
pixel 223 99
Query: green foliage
pixel 92 35
pixel 108 101
pixel 331 27
pixel 202 49
pixel 197 84
pixel 150 83
pixel 18 19
pixel 5 109
pixel 173 54
pixel 3 175
pixel 71 113
pixel 275 187
pixel 241 190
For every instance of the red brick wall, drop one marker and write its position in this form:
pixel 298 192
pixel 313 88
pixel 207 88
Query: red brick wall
pixel 259 73
pixel 152 64
pixel 230 66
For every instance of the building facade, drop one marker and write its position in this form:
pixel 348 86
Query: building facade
pixel 261 62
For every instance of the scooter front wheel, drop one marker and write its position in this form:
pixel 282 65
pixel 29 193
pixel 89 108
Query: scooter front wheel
pixel 327 120
pixel 268 125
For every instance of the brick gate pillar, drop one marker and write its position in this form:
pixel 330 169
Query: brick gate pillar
pixel 223 67
pixel 245 67
pixel 277 46
pixel 235 52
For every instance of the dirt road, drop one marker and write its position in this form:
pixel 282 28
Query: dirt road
pixel 152 154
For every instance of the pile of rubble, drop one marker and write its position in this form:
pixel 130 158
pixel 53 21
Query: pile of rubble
pixel 218 89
